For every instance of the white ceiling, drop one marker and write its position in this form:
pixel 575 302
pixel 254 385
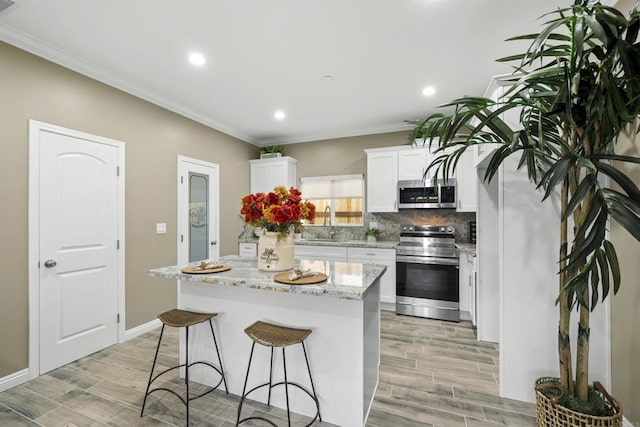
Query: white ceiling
pixel 264 55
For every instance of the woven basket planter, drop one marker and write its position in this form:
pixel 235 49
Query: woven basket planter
pixel 550 414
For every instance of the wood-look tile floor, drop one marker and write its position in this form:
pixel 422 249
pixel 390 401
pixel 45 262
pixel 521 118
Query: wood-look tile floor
pixel 432 373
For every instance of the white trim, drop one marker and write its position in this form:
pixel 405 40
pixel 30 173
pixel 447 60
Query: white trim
pixel 68 60
pixel 14 379
pixel 34 234
pixel 626 422
pixel 142 329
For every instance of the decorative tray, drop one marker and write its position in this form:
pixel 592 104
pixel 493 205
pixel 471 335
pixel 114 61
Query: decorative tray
pixel 196 269
pixel 305 280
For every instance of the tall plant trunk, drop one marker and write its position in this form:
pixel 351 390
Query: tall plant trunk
pixel 564 340
pixel 582 357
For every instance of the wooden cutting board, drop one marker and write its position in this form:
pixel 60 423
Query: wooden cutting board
pixel 308 280
pixel 193 269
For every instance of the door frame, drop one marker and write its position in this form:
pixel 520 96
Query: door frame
pixel 183 199
pixel 35 127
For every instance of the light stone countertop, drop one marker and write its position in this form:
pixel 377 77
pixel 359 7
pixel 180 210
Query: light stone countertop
pixel 380 244
pixel 467 247
pixel 346 280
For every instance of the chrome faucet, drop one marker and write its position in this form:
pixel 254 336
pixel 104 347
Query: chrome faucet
pixel 324 221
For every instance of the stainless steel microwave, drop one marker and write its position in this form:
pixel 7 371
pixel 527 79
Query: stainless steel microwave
pixel 427 194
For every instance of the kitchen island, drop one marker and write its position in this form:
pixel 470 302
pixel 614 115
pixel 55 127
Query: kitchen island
pixel 343 313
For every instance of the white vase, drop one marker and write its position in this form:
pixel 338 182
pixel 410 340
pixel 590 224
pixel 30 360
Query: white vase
pixel 275 254
pixel 371 239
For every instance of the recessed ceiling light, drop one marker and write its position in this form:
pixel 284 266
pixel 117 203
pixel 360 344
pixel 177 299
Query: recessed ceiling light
pixel 429 91
pixel 279 115
pixel 197 59
pixel 327 77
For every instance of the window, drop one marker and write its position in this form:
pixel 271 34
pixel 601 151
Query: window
pixel 342 194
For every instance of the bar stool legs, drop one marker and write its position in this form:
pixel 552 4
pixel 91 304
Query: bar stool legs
pixel 272 336
pixel 182 318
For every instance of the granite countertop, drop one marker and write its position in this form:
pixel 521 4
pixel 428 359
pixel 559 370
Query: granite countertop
pixel 346 280
pixel 379 244
pixel 467 247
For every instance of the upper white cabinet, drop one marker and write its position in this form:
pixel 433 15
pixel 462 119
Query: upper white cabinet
pixel 386 166
pixel 266 174
pixel 412 164
pixel 382 180
pixel 466 183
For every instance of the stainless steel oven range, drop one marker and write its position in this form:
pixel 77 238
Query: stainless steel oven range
pixel 427 272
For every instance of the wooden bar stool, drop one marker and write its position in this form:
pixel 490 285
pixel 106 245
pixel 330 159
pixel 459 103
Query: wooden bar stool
pixel 184 319
pixel 271 335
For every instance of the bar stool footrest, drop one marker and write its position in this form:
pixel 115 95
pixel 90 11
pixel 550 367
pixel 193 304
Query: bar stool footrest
pixel 317 415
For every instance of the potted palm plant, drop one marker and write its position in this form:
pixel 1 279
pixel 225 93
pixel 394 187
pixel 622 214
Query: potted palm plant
pixel 576 89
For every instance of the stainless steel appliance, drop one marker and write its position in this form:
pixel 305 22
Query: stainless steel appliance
pixel 427 272
pixel 427 194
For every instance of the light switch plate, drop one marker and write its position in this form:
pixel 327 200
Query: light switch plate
pixel 161 228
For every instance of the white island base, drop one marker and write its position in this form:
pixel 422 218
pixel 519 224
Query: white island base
pixel 343 349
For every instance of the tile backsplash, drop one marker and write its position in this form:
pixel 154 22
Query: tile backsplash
pixel 388 223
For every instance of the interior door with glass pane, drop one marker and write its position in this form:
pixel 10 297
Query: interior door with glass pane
pixel 198 210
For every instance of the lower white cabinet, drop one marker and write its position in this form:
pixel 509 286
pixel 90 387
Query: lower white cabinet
pixel 468 286
pixel 328 253
pixel 248 249
pixel 385 257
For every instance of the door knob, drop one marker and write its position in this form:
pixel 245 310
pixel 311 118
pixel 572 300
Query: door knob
pixel 214 242
pixel 50 263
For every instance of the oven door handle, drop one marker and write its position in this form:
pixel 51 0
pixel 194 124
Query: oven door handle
pixel 427 260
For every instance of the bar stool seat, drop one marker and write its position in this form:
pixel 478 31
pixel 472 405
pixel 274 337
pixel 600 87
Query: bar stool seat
pixel 270 335
pixel 184 319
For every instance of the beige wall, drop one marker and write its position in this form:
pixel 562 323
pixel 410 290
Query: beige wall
pixel 342 155
pixel 32 88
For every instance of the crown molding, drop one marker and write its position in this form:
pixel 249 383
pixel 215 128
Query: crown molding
pixel 58 56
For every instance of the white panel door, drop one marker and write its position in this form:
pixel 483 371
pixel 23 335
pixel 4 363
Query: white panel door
pixel 78 225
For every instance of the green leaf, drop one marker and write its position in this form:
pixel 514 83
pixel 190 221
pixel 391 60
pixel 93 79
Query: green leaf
pixel 595 281
pixel 601 257
pixel 556 174
pixel 610 251
pixel 621 179
pixel 581 191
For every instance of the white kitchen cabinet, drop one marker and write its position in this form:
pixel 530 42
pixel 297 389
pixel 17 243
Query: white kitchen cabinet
pixel 466 183
pixel 412 164
pixel 328 253
pixel 266 174
pixel 382 180
pixel 248 249
pixel 472 289
pixel 385 257
pixel 467 286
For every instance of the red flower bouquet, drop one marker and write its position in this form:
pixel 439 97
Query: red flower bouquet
pixel 277 210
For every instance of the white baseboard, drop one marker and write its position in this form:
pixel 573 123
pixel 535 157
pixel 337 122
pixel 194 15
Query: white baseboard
pixel 14 379
pixel 388 306
pixel 142 329
pixel 626 422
